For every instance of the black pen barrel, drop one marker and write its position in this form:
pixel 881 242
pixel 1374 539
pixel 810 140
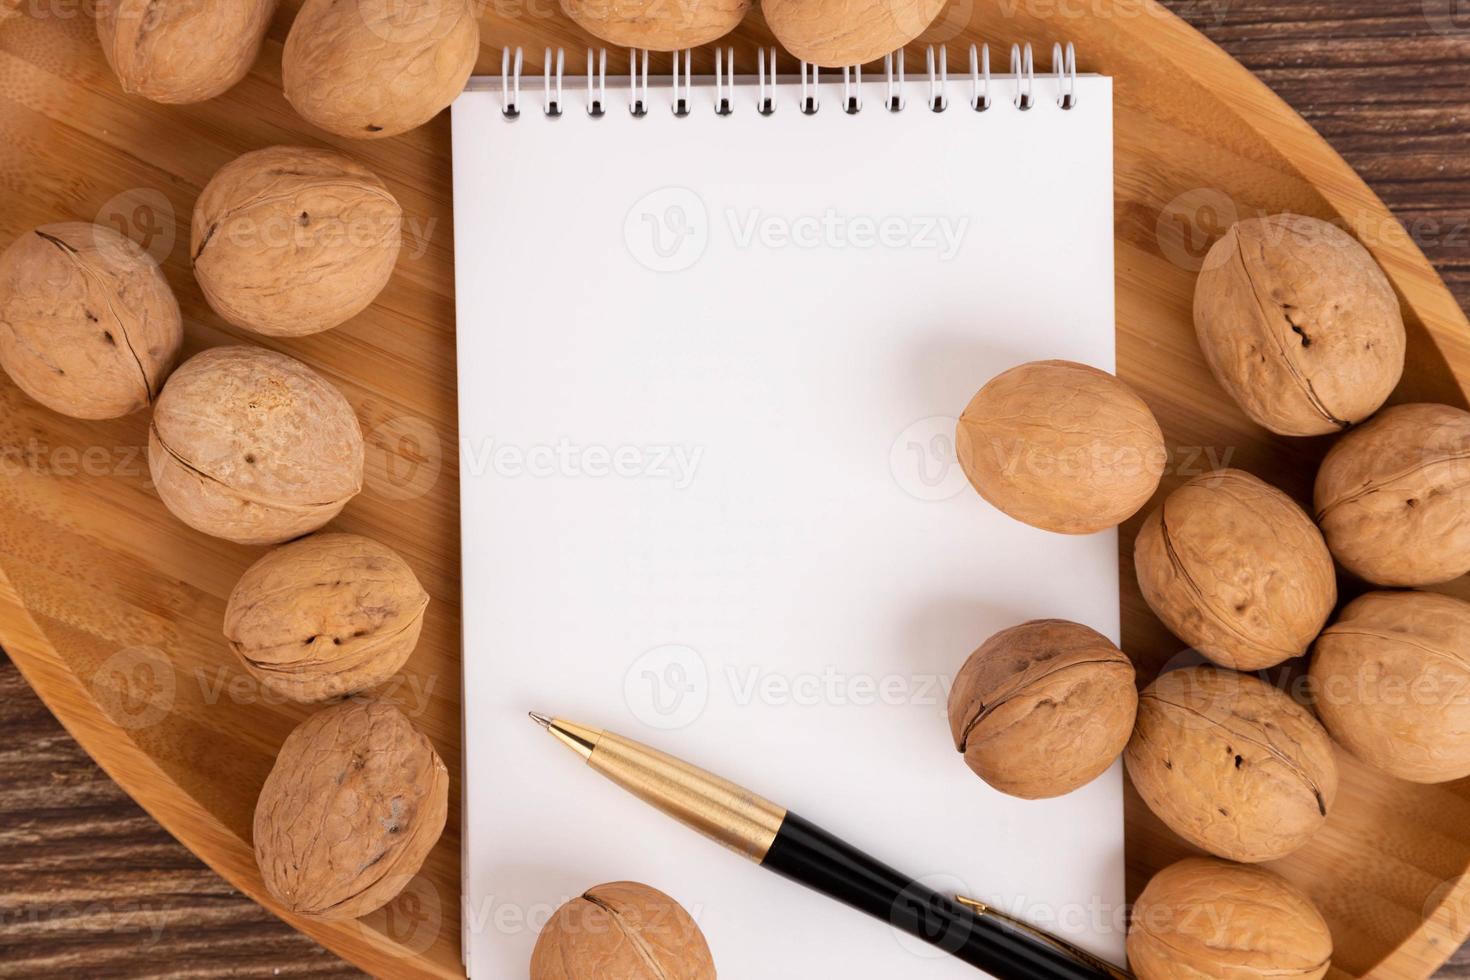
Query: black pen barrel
pixel 807 854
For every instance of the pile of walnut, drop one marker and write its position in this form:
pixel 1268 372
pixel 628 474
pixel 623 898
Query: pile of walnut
pixel 1302 328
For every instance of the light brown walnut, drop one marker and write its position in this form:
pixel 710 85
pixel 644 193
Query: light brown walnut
pixel 1061 446
pixel 368 69
pixel 180 51
pixel 622 931
pixel 1393 496
pixel 1043 708
pixel 328 615
pixel 253 446
pixel 1391 681
pixel 657 25
pixel 836 33
pixel 288 241
pixel 1233 567
pixel 1231 764
pixel 88 325
pixel 355 802
pixel 1299 324
pixel 1211 920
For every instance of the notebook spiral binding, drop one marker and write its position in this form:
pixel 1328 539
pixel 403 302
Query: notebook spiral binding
pixel 1023 81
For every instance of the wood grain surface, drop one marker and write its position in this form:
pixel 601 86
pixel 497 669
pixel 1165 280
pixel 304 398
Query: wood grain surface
pixel 91 886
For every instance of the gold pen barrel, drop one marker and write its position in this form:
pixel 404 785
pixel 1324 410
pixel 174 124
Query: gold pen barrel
pixel 720 810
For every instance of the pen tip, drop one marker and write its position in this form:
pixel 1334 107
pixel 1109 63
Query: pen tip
pixel 539 719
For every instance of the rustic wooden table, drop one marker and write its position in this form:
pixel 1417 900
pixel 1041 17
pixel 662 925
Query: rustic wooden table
pixel 90 885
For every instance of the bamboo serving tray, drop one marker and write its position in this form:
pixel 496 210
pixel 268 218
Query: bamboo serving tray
pixel 112 608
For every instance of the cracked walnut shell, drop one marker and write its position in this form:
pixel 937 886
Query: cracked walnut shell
pixel 1043 708
pixel 1204 918
pixel 1299 324
pixel 838 33
pixel 355 802
pixel 657 25
pixel 1061 446
pixel 1231 764
pixel 368 69
pixel 1393 497
pixel 622 930
pixel 253 446
pixel 328 615
pixel 181 51
pixel 1391 677
pixel 288 241
pixel 1233 567
pixel 88 325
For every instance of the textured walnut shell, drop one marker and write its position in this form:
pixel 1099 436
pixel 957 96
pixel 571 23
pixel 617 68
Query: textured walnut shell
pixel 1233 567
pixel 1061 446
pixel 1231 764
pixel 1393 497
pixel 835 33
pixel 622 931
pixel 181 51
pixel 253 446
pixel 1203 919
pixel 658 25
pixel 352 807
pixel 289 241
pixel 1043 708
pixel 1299 324
pixel 328 615
pixel 88 324
pixel 368 69
pixel 1391 679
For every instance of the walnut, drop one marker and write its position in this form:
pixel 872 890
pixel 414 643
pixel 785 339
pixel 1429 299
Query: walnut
pixel 1236 569
pixel 1061 446
pixel 182 50
pixel 1299 324
pixel 837 33
pixel 369 69
pixel 1393 497
pixel 1043 708
pixel 657 25
pixel 88 325
pixel 622 930
pixel 253 446
pixel 1390 679
pixel 1231 764
pixel 1204 918
pixel 328 615
pixel 288 241
pixel 354 804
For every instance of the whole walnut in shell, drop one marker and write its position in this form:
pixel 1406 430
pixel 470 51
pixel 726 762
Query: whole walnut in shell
pixel 1061 446
pixel 354 804
pixel 836 33
pixel 1207 919
pixel 657 25
pixel 1231 764
pixel 1299 324
pixel 368 69
pixel 1393 497
pixel 88 325
pixel 1391 679
pixel 622 931
pixel 181 51
pixel 328 615
pixel 253 446
pixel 1233 567
pixel 289 241
pixel 1043 708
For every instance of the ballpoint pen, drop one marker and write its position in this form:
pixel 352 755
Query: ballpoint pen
pixel 775 838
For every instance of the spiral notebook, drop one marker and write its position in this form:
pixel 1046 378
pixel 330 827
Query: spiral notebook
pixel 713 338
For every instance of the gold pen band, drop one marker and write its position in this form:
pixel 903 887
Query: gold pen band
pixel 717 808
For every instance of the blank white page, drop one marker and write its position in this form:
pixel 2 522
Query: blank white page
pixel 709 374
